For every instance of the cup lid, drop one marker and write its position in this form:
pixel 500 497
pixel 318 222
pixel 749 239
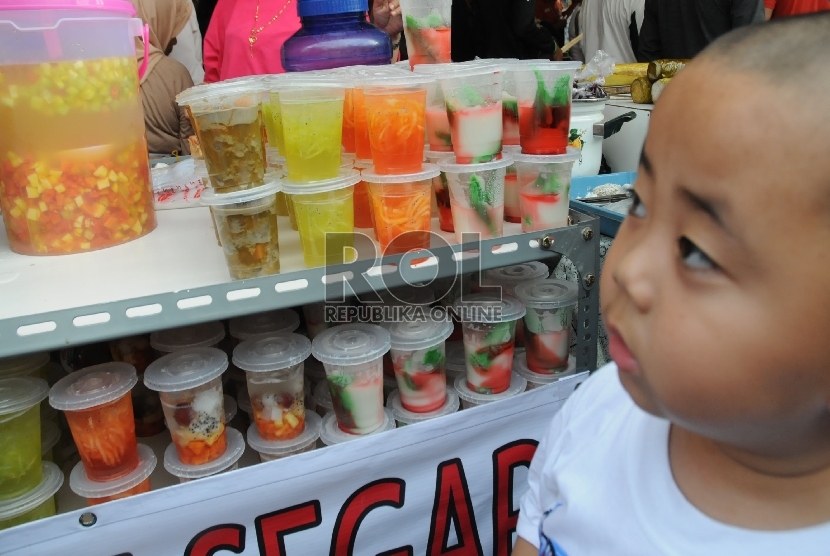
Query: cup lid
pixel 185 369
pixel 281 320
pixel 548 294
pixel 397 79
pixel 350 344
pixel 243 400
pixel 478 308
pixel 224 95
pixel 471 69
pixel 515 274
pixel 322 395
pixel 302 81
pixel 21 393
pixel 314 370
pixel 83 486
pixel 530 65
pixel 231 407
pixel 408 295
pixel 211 198
pixel 22 365
pixel 97 5
pixel 415 335
pixel 204 334
pixel 93 386
pixel 332 434
pixel 449 164
pixel 236 447
pixel 310 434
pixel 428 171
pixel 456 359
pixel 572 154
pixel 272 352
pixel 518 384
pixel 410 417
pixel 520 367
pixel 50 484
pixel 346 178
pixel 49 436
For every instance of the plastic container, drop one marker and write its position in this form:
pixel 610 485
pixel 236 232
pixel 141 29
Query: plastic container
pixel 272 450
pixel 404 417
pixel 544 92
pixel 273 366
pixel 335 33
pixel 205 334
pixel 315 315
pixel 135 350
pixel 439 133
pixel 509 103
pixel 489 323
pixel 442 191
pixel 231 408
pixel 456 365
pixel 99 409
pixel 470 398
pixel 477 196
pixel 512 203
pixel 418 358
pixel 544 183
pixel 550 305
pixel 352 355
pixel 96 492
pixel 72 128
pixel 35 504
pixel 321 208
pixel 315 372
pixel 189 383
pixel 32 364
pixel 50 435
pixel 537 380
pixel 363 150
pixel 331 433
pixel 20 456
pixel 269 322
pixel 428 28
pixel 401 208
pixel 511 276
pixel 363 217
pixel 322 394
pixel 228 461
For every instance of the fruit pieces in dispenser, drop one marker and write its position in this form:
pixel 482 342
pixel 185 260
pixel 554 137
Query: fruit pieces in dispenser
pixel 20 456
pixel 428 39
pixel 544 123
pixel 395 119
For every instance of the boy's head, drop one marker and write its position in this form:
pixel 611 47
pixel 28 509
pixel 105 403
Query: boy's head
pixel 716 292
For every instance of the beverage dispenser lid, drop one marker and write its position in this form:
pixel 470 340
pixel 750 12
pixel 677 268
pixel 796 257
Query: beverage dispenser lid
pixel 308 8
pixel 98 5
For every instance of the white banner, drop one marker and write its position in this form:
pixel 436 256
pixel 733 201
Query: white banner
pixel 447 487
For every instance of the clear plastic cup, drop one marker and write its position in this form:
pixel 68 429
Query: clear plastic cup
pixel 315 316
pixel 134 350
pixel 204 334
pixel 99 409
pixel 477 196
pixel 404 417
pixel 269 322
pixel 509 103
pixel 473 96
pixel 544 94
pixel 544 183
pixel 322 394
pixel 272 450
pixel 363 217
pixel 439 133
pixel 511 276
pixel 227 119
pixel 489 323
pixel 32 364
pixel 401 208
pixel 189 383
pixel 512 203
pixel 273 366
pixel 325 208
pixel 50 435
pixel 470 398
pixel 228 461
pixel 441 189
pixel 35 504
pixel 456 365
pixel 135 482
pixel 363 149
pixel 20 456
pixel 352 355
pixel 419 360
pixel 331 433
pixel 550 305
pixel 428 27
pixel 537 380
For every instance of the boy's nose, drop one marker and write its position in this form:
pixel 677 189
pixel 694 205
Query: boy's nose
pixel 634 275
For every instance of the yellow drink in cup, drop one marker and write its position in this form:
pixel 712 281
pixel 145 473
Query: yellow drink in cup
pixel 20 455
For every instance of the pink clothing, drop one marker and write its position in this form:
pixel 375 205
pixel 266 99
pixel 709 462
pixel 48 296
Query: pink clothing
pixel 227 50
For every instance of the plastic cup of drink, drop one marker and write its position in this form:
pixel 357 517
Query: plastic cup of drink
pixel 204 334
pixel 273 366
pixel 99 409
pixel 550 305
pixel 36 503
pixel 331 433
pixel 325 217
pixel 544 183
pixel 20 457
pixel 477 196
pixel 269 322
pixel 544 94
pixel 419 360
pixel 228 461
pixel 441 191
pixel 270 450
pixel 137 351
pixel 489 323
pixel 511 276
pixel 33 364
pixel 428 27
pixel 404 417
pixel 537 380
pixel 512 204
pixel 97 492
pixel 189 383
pixel 363 217
pixel 352 355
pixel 227 119
pixel 362 148
pixel 401 208
pixel 439 133
pixel 322 394
pixel 470 398
pixel 247 225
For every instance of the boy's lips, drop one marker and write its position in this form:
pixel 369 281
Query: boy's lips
pixel 620 353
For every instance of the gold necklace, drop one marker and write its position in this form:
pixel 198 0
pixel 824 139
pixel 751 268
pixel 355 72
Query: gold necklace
pixel 254 31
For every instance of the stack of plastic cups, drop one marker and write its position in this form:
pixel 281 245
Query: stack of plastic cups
pixel 363 216
pixel 138 352
pixel 550 305
pixel 508 278
pixel 205 334
pixel 544 186
pixel 35 365
pixel 441 190
pixel 512 204
pixel 537 380
pixel 269 322
pixel 428 27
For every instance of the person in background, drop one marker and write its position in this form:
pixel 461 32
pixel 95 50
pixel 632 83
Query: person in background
pixel 574 30
pixel 166 123
pixel 188 49
pixel 386 16
pixel 784 8
pixel 682 28
pixel 551 15
pixel 612 26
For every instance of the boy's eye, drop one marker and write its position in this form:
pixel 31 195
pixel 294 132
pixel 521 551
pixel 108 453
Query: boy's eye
pixel 638 209
pixel 693 257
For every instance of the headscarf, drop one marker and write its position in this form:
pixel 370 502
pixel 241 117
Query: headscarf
pixel 166 19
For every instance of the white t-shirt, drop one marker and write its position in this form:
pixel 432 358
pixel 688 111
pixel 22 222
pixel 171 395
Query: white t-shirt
pixel 602 473
pixel 605 24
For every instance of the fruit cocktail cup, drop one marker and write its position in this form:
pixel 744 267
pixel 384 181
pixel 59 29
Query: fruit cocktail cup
pixel 36 503
pixel 418 358
pixel 441 191
pixel 362 147
pixel 477 196
pixel 189 382
pixel 544 183
pixel 99 410
pixel 489 323
pixel 549 305
pixel 363 217
pixel 228 461
pixel 135 482
pixel 509 277
pixel 20 457
pixel 352 355
pixel 401 208
pixel 273 450
pixel 544 93
pixel 512 205
pixel 471 398
pixel 325 217
pixel 204 334
pixel 269 322
pixel 428 28
pixel 273 366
